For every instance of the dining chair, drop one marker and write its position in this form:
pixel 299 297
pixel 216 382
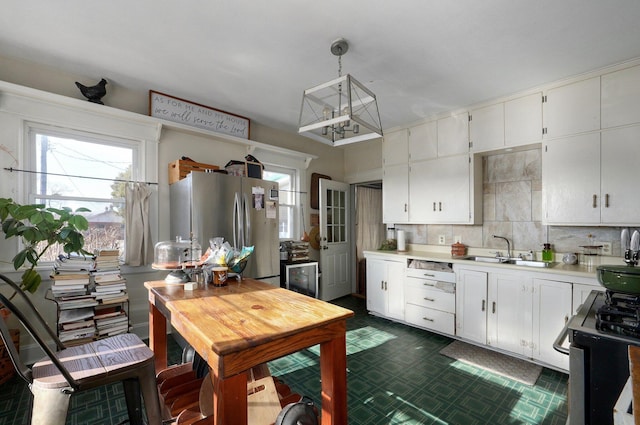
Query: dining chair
pixel 65 371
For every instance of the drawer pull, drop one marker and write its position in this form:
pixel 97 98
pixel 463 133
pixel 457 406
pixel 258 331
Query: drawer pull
pixel 427 319
pixel 429 275
pixel 429 299
pixel 429 284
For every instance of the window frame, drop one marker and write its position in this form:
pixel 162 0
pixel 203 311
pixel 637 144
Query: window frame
pixel 142 153
pixel 295 207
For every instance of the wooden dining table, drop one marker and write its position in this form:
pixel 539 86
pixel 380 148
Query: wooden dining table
pixel 244 324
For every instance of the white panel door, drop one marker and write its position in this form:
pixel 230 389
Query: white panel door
pixel 471 305
pixel 334 239
pixel 395 194
pixel 620 156
pixel 571 180
pixel 551 311
pixel 573 109
pixel 523 120
pixel 486 128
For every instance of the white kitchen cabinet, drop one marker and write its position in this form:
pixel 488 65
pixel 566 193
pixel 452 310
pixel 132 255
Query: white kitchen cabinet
pixel 587 179
pixel 551 311
pixel 471 305
pixel 395 193
pixel 385 287
pixel 486 128
pixel 571 109
pixel 395 147
pixel 442 190
pixel 620 152
pixel 571 180
pixel 509 312
pixel 514 311
pixel 453 135
pixel 621 97
pixel 523 120
pixel 430 299
pixel 423 141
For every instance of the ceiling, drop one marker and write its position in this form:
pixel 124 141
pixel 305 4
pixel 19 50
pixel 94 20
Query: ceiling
pixel 255 58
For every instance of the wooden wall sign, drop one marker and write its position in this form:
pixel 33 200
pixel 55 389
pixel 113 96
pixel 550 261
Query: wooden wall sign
pixel 182 111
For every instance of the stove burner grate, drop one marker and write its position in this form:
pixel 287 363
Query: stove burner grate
pixel 620 314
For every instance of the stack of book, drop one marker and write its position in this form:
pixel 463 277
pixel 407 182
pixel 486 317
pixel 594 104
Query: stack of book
pixel 76 326
pixel 111 320
pixel 110 286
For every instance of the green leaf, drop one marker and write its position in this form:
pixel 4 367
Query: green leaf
pixel 18 260
pixel 30 281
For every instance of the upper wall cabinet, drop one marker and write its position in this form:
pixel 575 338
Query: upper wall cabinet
pixel 423 141
pixel 395 147
pixel 572 109
pixel 621 97
pixel 486 128
pixel 523 120
pixel 453 135
pixel 587 179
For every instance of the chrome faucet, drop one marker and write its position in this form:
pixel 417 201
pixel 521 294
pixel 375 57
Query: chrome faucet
pixel 508 245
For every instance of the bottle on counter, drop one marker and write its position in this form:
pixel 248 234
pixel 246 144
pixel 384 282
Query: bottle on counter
pixel 547 253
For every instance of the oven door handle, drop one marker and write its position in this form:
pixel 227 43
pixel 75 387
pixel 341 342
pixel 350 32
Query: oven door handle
pixel 557 344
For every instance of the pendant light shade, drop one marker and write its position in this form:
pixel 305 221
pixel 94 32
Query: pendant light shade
pixel 340 111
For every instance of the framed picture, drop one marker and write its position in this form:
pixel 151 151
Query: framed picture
pixel 193 114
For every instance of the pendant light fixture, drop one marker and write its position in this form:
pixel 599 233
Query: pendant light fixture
pixel 340 111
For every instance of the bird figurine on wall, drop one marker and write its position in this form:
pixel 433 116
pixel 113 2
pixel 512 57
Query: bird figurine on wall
pixel 94 93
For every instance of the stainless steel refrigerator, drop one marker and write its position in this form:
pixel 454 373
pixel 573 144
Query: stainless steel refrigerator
pixel 243 210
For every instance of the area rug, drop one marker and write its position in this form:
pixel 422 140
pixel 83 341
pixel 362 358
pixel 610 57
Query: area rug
pixel 501 364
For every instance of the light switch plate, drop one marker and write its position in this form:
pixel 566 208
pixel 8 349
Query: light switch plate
pixel 606 247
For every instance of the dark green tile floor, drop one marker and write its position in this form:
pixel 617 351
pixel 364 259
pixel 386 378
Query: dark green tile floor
pixel 395 376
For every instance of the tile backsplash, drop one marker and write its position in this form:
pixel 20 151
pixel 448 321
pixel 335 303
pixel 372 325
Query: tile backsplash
pixel 512 207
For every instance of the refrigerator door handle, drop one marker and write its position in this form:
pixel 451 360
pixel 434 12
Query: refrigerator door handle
pixel 246 240
pixel 236 219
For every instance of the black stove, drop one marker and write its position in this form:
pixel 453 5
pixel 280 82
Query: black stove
pixel 600 334
pixel 620 314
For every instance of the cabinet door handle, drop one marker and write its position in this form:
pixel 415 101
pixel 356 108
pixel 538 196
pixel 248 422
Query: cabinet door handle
pixel 483 305
pixel 405 207
pixel 429 299
pixel 427 319
pixel 434 206
pixel 382 285
pixel 439 206
pixel 493 308
pixel 385 285
pixel 606 200
pixel 595 201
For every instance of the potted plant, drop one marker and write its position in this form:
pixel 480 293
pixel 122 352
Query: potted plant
pixel 40 229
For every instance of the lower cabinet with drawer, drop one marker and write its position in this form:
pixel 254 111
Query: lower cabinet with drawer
pixel 430 299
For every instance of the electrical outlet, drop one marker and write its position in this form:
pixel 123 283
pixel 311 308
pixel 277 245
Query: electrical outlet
pixel 457 239
pixel 441 239
pixel 606 247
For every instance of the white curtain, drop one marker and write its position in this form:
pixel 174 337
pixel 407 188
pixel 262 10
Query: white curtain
pixel 138 245
pixel 370 229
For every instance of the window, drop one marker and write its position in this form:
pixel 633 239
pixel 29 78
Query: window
pixel 76 169
pixel 286 178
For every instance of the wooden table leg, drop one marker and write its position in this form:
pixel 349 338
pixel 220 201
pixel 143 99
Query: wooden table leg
pixel 333 372
pixel 230 400
pixel 158 337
